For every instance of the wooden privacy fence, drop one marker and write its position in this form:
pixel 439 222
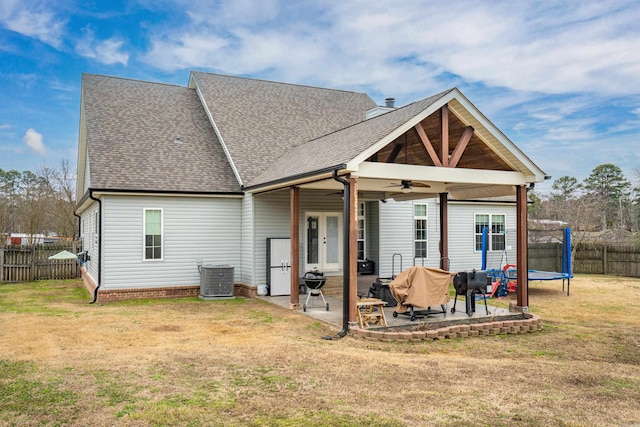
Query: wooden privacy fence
pixel 29 263
pixel 592 258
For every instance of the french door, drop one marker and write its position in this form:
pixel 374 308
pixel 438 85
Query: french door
pixel 323 241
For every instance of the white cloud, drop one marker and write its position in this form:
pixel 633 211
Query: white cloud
pixel 106 51
pixel 33 21
pixel 5 126
pixel 186 50
pixel 554 48
pixel 33 140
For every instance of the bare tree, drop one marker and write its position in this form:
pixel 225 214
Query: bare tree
pixel 61 187
pixel 39 203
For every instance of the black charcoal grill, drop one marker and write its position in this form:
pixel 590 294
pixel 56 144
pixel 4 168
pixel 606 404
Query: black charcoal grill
pixel 471 283
pixel 314 281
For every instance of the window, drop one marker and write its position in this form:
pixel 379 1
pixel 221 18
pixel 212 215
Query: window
pixel 96 229
pixel 361 232
pixel 153 234
pixel 495 225
pixel 420 230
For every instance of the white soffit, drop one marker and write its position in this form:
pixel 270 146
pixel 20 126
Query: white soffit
pixel 493 137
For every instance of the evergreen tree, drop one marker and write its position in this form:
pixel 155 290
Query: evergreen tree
pixel 607 182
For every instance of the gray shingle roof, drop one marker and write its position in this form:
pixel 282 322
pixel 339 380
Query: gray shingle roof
pixel 260 121
pixel 131 128
pixel 343 145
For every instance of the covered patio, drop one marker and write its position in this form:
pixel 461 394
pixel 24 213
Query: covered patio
pixel 333 316
pixel 435 148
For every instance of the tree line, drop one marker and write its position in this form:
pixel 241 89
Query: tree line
pixel 605 204
pixel 39 202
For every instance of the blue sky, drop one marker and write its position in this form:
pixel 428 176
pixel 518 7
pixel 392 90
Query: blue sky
pixel 560 78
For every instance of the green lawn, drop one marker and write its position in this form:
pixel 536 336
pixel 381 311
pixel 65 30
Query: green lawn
pixel 190 362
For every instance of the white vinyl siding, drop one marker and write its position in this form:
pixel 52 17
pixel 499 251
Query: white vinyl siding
pixel 247 273
pixel 396 237
pixel 271 219
pixel 462 239
pixel 90 221
pixel 195 229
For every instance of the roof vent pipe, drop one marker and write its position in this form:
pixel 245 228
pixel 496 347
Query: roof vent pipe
pixel 390 102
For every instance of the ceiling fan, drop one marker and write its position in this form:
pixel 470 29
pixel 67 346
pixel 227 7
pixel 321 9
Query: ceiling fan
pixel 406 186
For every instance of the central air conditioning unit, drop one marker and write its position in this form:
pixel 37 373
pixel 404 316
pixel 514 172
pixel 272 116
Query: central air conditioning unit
pixel 216 281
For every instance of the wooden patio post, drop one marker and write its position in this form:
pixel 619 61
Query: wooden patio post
pixel 444 135
pixel 294 210
pixel 521 255
pixel 444 232
pixel 353 248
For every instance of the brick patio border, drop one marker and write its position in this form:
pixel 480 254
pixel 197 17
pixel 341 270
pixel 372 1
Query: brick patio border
pixel 531 324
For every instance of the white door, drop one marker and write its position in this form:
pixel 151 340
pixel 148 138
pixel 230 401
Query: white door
pixel 323 241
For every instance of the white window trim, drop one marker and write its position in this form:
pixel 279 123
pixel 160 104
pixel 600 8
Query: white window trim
pixel 489 232
pixel 426 239
pixel 363 217
pixel 144 228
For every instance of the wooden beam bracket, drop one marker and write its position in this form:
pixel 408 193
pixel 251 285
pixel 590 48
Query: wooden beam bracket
pixel 427 144
pixel 460 146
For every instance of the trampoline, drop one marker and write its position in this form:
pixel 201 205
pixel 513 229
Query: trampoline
pixel 510 272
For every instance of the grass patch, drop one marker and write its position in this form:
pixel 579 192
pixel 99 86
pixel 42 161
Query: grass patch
pixel 249 363
pixel 44 297
pixel 326 419
pixel 113 391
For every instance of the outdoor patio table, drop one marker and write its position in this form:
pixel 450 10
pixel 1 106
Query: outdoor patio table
pixel 370 311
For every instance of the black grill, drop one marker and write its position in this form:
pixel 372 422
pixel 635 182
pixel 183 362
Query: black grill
pixel 314 279
pixel 470 283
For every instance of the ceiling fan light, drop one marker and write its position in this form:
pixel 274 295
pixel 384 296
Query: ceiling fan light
pixel 406 189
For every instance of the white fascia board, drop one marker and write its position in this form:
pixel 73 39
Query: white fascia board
pixel 193 82
pixel 439 174
pixel 176 194
pixel 537 174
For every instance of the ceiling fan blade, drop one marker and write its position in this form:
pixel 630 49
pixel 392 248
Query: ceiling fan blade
pixel 420 184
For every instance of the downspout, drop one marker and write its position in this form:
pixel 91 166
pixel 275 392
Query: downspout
pixel 95 292
pixel 79 223
pixel 79 233
pixel 346 268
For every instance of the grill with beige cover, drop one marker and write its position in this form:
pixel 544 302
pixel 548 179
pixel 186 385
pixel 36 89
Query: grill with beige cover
pixel 419 289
